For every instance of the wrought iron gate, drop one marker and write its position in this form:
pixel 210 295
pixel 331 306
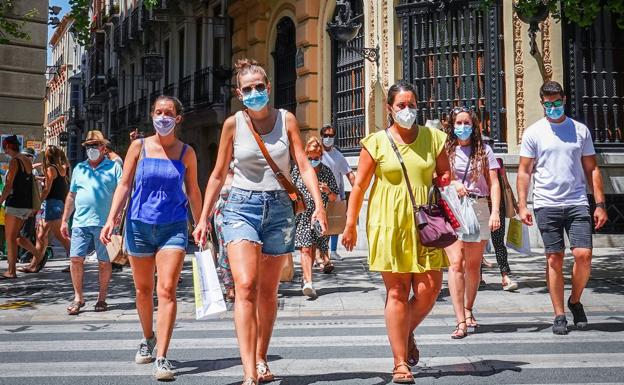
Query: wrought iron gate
pixel 452 53
pixel 594 79
pixel 348 88
pixel 285 61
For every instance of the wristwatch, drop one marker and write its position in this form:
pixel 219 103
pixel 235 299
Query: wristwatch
pixel 602 205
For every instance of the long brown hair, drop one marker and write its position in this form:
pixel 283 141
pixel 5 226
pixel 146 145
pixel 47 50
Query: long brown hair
pixel 478 159
pixel 55 157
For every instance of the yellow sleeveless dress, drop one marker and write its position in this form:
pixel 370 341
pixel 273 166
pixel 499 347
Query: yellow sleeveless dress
pixel 392 236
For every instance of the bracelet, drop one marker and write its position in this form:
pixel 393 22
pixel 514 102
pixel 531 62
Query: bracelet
pixel 601 205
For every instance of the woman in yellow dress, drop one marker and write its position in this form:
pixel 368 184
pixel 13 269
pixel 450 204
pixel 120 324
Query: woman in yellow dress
pixel 394 247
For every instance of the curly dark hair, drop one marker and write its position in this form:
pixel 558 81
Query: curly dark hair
pixel 478 159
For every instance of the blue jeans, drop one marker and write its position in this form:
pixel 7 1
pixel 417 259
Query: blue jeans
pixel 262 217
pixel 333 242
pixel 52 209
pixel 84 240
pixel 144 239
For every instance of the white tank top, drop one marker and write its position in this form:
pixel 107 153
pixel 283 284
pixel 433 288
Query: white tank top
pixel 251 170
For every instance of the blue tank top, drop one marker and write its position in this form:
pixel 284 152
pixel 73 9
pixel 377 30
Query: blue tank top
pixel 158 197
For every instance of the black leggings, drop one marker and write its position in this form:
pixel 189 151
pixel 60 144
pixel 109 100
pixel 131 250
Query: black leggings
pixel 498 240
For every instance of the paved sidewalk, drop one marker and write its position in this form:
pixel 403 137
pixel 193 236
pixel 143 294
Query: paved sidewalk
pixel 350 291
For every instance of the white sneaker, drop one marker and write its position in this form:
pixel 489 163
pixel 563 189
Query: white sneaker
pixel 163 369
pixel 308 290
pixel 335 256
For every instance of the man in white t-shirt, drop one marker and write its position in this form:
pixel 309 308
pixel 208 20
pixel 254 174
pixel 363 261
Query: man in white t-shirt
pixel 334 159
pixel 560 153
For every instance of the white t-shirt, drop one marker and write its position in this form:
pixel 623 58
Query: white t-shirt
pixel 480 186
pixel 339 166
pixel 557 149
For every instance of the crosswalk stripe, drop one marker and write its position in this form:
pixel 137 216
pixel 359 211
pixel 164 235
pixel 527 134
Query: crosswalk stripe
pixel 307 341
pixel 310 367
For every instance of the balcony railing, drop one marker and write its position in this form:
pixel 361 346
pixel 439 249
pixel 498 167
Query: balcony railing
pixel 111 79
pixel 169 90
pixel 184 91
pixel 55 113
pixel 207 87
pixel 97 85
pixel 153 95
pixel 142 112
pixel 59 61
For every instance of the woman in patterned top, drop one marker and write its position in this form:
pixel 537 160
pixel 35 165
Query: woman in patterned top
pixel 306 238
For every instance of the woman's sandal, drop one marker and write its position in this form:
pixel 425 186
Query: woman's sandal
pixel 473 323
pixel 460 333
pixel 328 267
pixel 249 381
pixel 400 377
pixel 101 306
pixel 74 307
pixel 413 354
pixel 264 373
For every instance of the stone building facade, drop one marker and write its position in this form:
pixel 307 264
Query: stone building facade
pixel 456 53
pixel 22 75
pixel 63 91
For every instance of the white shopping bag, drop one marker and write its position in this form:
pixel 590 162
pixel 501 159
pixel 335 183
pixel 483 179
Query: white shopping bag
pixel 449 194
pixel 209 301
pixel 470 220
pixel 518 236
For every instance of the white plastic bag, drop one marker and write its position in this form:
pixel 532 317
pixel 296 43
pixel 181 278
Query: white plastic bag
pixel 449 194
pixel 473 233
pixel 209 301
pixel 518 236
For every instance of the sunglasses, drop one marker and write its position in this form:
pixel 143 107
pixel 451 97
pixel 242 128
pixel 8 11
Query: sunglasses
pixel 315 159
pixel 556 103
pixel 260 87
pixel 88 146
pixel 328 135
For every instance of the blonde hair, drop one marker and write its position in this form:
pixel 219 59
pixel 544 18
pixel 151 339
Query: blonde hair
pixel 248 66
pixel 313 144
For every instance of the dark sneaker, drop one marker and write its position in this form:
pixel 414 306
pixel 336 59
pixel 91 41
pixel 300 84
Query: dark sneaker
pixel 163 369
pixel 560 325
pixel 146 350
pixel 578 313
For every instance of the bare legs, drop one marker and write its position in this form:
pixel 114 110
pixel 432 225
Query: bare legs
pixel 254 319
pixel 580 275
pixel 168 263
pixel 12 227
pixel 307 259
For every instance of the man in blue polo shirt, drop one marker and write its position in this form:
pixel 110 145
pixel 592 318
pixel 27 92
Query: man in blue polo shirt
pixel 90 194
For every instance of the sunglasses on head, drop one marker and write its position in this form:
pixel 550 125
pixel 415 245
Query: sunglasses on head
pixel 556 103
pixel 260 87
pixel 458 110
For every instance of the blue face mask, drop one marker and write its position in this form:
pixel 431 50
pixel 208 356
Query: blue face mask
pixel 463 132
pixel 255 100
pixel 315 162
pixel 555 113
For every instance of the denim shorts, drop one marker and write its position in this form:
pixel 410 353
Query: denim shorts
pixel 84 240
pixel 52 209
pixel 19 213
pixel 575 220
pixel 144 239
pixel 262 217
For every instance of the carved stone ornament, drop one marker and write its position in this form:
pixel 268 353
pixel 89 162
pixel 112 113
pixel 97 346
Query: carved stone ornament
pixel 518 76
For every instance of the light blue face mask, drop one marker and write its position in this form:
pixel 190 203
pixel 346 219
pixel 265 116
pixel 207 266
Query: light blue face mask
pixel 463 132
pixel 315 162
pixel 555 113
pixel 255 100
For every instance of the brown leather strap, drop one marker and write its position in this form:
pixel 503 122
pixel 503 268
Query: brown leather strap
pixel 281 178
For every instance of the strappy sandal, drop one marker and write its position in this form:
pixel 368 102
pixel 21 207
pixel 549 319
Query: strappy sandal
pixel 328 267
pixel 264 373
pixel 472 324
pixel 101 306
pixel 413 354
pixel 249 381
pixel 74 307
pixel 402 377
pixel 460 333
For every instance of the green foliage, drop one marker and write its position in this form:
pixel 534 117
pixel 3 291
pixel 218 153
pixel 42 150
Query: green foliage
pixel 149 4
pixel 13 28
pixel 80 14
pixel 580 12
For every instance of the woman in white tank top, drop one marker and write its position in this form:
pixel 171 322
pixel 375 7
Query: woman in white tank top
pixel 258 219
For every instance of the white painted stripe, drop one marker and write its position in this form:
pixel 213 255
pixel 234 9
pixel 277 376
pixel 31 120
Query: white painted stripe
pixel 299 324
pixel 308 341
pixel 311 367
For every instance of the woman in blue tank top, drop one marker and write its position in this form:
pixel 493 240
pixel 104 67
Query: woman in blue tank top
pixel 156 233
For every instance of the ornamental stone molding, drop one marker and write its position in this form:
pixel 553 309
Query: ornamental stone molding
pixel 519 76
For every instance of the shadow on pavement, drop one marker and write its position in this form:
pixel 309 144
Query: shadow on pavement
pixel 481 368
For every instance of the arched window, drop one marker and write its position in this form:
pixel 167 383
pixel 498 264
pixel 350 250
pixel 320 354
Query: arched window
pixel 348 87
pixel 285 77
